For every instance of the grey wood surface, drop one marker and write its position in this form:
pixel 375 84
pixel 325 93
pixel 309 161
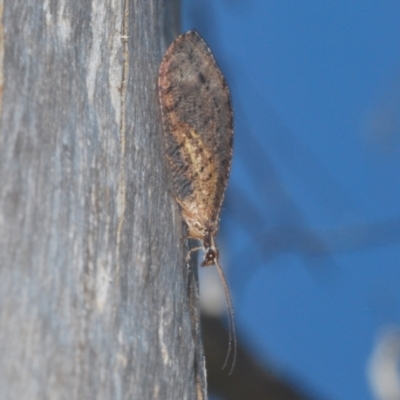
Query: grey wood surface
pixel 96 301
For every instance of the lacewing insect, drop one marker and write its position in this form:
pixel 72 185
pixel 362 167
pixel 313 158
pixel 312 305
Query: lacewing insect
pixel 198 134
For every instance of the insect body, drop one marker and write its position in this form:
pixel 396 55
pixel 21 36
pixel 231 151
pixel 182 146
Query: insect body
pixel 198 132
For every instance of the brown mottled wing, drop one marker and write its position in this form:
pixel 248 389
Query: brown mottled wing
pixel 198 127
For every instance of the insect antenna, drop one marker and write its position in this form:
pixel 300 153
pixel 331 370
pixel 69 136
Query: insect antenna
pixel 231 319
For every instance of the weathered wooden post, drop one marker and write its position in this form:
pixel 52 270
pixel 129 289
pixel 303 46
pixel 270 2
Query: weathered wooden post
pixel 95 299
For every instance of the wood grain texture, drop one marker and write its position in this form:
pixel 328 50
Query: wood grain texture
pixel 96 300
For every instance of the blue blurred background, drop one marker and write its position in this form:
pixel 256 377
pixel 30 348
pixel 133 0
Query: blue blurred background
pixel 310 231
